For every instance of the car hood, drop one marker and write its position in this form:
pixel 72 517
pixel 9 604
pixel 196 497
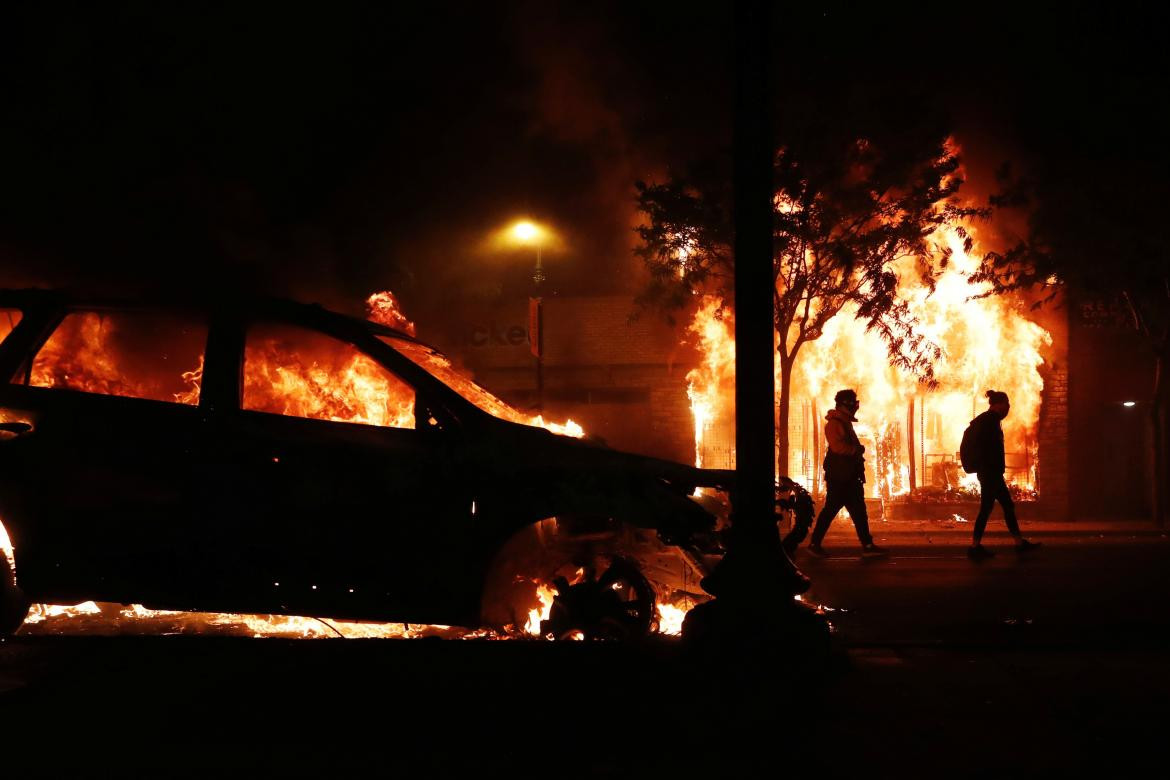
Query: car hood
pixel 540 449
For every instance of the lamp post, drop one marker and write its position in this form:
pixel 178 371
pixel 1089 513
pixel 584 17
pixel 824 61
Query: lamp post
pixel 526 232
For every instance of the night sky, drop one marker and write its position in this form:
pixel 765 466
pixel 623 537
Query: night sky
pixel 325 152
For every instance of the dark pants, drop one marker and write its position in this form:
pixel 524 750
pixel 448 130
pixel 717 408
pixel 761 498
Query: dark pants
pixel 992 488
pixel 851 496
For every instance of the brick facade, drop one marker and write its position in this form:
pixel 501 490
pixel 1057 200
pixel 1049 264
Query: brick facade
pixel 623 380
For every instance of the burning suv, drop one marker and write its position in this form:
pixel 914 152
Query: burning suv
pixel 266 456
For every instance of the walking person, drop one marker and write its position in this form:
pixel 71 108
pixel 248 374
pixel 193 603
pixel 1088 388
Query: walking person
pixel 844 476
pixel 983 453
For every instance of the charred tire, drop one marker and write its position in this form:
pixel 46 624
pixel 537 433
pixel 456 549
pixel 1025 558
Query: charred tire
pixel 617 604
pixel 13 604
pixel 600 594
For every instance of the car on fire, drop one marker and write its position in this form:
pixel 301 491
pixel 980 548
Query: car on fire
pixel 266 456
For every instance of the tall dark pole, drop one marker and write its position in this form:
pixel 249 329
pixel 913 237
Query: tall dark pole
pixel 754 583
pixel 536 327
pixel 755 430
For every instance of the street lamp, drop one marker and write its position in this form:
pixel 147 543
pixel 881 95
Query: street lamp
pixel 527 232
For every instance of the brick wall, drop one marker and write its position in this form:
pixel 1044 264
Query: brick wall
pixel 622 380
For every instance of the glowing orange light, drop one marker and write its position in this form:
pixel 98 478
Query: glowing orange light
pixel 525 231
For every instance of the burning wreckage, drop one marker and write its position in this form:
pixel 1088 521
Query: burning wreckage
pixel 260 460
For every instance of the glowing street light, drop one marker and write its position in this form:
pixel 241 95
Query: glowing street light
pixel 526 232
pixel 1129 403
pixel 529 233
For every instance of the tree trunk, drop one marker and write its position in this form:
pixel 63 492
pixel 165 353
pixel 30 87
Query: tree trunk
pixel 782 459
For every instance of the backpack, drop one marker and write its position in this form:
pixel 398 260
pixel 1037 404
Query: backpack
pixel 969 454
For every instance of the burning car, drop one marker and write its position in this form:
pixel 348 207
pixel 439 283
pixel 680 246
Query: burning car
pixel 266 456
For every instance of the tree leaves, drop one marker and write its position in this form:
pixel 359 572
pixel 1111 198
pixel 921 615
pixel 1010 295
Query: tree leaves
pixel 846 211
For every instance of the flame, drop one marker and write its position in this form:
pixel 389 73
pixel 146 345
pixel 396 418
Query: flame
pixel 307 376
pixel 711 386
pixel 194 380
pixel 135 618
pixel 40 612
pixel 9 319
pixel 986 343
pixel 82 355
pixel 545 594
pixel 7 550
pixel 567 428
pixel 670 618
pixel 383 308
pixel 325 380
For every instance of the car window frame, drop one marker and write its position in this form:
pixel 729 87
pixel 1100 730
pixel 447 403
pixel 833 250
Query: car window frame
pixel 42 323
pixel 244 323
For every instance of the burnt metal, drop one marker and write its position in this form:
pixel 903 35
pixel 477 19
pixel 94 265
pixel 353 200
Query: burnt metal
pixel 618 604
pixel 215 508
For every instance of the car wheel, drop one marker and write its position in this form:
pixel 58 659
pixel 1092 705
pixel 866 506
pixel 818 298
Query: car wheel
pixel 13 604
pixel 618 604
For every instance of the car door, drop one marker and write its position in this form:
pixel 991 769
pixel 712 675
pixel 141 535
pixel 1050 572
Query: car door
pixel 96 475
pixel 332 497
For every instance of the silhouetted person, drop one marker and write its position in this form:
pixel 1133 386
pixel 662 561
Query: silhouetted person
pixel 844 476
pixel 987 436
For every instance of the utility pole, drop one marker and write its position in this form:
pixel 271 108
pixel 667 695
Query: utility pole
pixel 755 384
pixel 754 583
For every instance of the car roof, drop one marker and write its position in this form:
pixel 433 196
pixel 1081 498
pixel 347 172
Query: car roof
pixel 244 305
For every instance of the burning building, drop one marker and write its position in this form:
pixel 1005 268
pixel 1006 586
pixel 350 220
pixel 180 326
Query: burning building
pixel 911 429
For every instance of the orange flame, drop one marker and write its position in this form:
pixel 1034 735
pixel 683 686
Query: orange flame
pixel 545 594
pixel 80 356
pixel 383 308
pixel 711 386
pixel 987 343
pixel 670 618
pixel 324 381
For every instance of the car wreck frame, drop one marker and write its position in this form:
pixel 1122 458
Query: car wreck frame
pixel 217 508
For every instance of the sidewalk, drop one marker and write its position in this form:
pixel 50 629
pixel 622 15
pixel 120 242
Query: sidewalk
pixel 911 532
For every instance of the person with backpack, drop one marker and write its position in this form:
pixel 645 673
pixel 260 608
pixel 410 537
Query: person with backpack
pixel 981 453
pixel 844 476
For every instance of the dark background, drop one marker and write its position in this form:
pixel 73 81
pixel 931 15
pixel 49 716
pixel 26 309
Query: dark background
pixel 325 152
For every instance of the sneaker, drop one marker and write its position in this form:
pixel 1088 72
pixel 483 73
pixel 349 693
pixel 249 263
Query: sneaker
pixel 871 550
pixel 1023 545
pixel 978 552
pixel 818 551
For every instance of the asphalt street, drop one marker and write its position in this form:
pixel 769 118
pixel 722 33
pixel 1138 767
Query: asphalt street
pixel 1018 666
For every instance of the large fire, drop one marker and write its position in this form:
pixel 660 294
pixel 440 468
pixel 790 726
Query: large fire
pixel 987 343
pixel 287 370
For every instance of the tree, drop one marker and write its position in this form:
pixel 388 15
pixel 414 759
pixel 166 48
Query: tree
pixel 1095 233
pixel 847 209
